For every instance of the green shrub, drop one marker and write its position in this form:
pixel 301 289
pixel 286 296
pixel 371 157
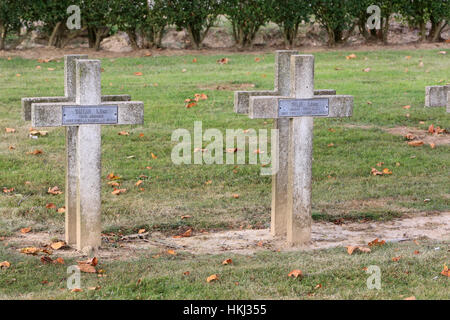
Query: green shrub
pixel 196 16
pixel 246 17
pixel 289 14
pixel 13 16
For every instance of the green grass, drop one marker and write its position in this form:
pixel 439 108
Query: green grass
pixel 342 186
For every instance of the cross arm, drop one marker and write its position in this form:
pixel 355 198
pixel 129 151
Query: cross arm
pixel 242 98
pixel 51 114
pixel 339 106
pixel 26 102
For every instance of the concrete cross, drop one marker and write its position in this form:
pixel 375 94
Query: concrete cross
pixel 300 108
pixel 71 138
pixel 87 114
pixel 280 179
pixel 438 96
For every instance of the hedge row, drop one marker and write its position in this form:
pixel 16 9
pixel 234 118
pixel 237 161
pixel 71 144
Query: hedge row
pixel 149 19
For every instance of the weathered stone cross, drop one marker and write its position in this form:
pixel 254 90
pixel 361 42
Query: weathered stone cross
pixel 71 139
pixel 300 108
pixel 87 114
pixel 280 179
pixel 438 96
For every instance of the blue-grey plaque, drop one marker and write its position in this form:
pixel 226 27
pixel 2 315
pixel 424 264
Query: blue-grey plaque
pixel 79 115
pixel 291 108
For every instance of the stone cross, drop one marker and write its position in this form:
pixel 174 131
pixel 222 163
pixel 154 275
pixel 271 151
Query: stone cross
pixel 87 113
pixel 300 108
pixel 438 96
pixel 280 179
pixel 71 139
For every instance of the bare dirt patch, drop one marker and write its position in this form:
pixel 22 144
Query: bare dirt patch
pixel 423 135
pixel 424 226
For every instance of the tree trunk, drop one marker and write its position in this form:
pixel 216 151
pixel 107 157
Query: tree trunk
pixel 3 34
pixel 91 37
pixel 436 30
pixel 194 36
pixel 423 31
pixel 53 40
pixel 385 29
pixel 133 41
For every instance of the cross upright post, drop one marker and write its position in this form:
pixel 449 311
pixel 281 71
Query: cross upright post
pixel 282 85
pixel 71 139
pixel 300 108
pixel 87 113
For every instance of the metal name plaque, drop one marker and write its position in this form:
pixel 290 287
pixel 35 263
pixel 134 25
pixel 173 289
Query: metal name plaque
pixel 303 107
pixel 79 115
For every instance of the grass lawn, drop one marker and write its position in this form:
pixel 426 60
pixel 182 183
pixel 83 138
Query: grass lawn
pixel 342 182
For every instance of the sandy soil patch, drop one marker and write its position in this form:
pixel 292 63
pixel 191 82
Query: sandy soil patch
pixel 324 235
pixel 423 135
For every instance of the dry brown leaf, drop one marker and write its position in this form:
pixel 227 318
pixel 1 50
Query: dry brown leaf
pixel 30 250
pixel 377 242
pixel 59 260
pixel 58 245
pixel 186 273
pixel 76 290
pixel 295 273
pixel 445 272
pixel 213 277
pixel 50 206
pixel 61 210
pixel 25 230
pixel 138 74
pixel 139 183
pixel 6 190
pixel 117 192
pixel 223 61
pixel 141 231
pixel 410 298
pixel 111 176
pixel 171 252
pixel 235 196
pixel 416 143
pixel 36 152
pixel 123 133
pixel 352 56
pixel 227 261
pixel 46 259
pixel 185 217
pixel 55 190
pixel 10 130
pixel 387 171
pixel 396 259
pixel 407 107
pixel 352 249
pixel 5 265
pixel 154 156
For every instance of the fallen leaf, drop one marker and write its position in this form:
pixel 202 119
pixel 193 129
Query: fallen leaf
pixel 416 143
pixel 171 252
pixel 76 290
pixel 35 152
pixel 25 230
pixel 445 272
pixel 227 261
pixel 410 136
pixel 138 74
pixel 386 171
pixel 352 56
pixel 59 260
pixel 186 273
pixel 211 278
pixel 5 265
pixel 12 148
pixel 295 273
pixel 223 61
pixel 123 133
pixel 235 196
pixel 154 156
pixel 185 217
pixel 194 60
pixel 432 145
pixel 396 259
pixel 351 249
pixel 416 252
pixel 410 298
pixel 30 250
pixel 407 107
pixel 58 245
pixel 141 231
pixel 55 190
pixel 46 259
pixel 139 183
pixel 94 288
pixel 111 176
pixel 257 59
pixel 116 192
pixel 6 190
pixel 50 206
pixel 10 130
pixel 376 242
pixel 367 70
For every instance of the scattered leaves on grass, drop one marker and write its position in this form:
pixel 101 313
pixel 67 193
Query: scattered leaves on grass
pixel 445 272
pixel 25 230
pixel 116 192
pixel 213 277
pixel 35 152
pixel 55 190
pixel 376 172
pixel 416 143
pixel 88 266
pixel 227 262
pixel 6 190
pixel 223 61
pixel 186 234
pixel 295 273
pixel 5 265
pixel 111 176
pixel 435 130
pixel 30 250
pixel 58 245
pixel 10 130
pixel 377 242
pixel 352 249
